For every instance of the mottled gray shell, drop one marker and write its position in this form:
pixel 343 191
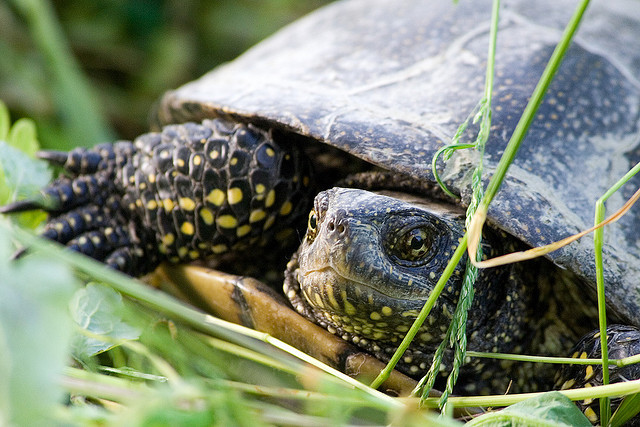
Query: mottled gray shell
pixel 390 81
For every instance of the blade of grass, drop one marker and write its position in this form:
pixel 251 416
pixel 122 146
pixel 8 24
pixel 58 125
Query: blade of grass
pixel 74 96
pixel 539 251
pixel 617 389
pixel 629 408
pixel 199 321
pixel 102 386
pixel 422 316
pixel 456 333
pixel 552 359
pixel 475 230
pixel 598 241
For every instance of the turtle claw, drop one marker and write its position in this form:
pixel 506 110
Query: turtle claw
pixel 87 183
pixel 85 210
pixel 58 158
pixel 18 254
pixel 85 161
pixel 21 206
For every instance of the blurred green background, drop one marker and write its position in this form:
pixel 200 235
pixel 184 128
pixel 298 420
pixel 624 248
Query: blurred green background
pixel 128 53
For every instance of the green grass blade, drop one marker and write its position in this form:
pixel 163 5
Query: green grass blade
pixel 598 241
pixel 496 180
pixel 532 106
pixel 629 408
pixel 197 320
pixel 73 94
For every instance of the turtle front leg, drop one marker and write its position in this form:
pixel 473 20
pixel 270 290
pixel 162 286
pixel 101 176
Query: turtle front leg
pixel 184 193
pixel 251 303
pixel 623 341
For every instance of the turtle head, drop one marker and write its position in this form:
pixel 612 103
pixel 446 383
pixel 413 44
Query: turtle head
pixel 369 261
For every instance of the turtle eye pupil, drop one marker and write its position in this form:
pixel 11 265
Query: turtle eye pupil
pixel 413 245
pixel 417 242
pixel 313 221
pixel 312 227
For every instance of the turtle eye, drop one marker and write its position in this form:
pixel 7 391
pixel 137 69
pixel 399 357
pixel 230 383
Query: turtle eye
pixel 313 221
pixel 312 225
pixel 413 245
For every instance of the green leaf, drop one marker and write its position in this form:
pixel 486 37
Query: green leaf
pixel 21 176
pixel 549 409
pixel 98 309
pixel 34 335
pixel 23 136
pixel 629 408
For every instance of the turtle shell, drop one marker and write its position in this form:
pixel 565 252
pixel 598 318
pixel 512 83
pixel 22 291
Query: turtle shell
pixel 390 81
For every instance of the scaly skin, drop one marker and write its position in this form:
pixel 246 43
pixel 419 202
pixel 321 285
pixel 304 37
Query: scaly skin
pixel 185 193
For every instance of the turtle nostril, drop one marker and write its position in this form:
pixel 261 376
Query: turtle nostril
pixel 336 225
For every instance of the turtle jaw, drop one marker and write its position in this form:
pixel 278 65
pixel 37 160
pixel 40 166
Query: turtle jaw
pixel 355 308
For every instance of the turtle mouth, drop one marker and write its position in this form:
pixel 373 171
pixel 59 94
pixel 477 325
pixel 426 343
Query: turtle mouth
pixel 330 279
pixel 334 294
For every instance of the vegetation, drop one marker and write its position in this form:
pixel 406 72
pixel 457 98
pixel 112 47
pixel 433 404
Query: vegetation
pixel 92 346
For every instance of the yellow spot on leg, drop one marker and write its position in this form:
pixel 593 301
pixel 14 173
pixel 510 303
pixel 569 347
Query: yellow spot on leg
pixel 234 195
pixel 227 221
pixel 257 215
pixel 568 384
pixel 591 415
pixel 187 203
pixel 168 239
pixel 243 230
pixel 218 249
pixel 216 196
pixel 207 216
pixel 187 228
pixel 271 199
pixel 268 223
pixel 168 205
pixel 286 208
pixel 588 373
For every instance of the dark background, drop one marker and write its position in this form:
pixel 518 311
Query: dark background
pixel 128 54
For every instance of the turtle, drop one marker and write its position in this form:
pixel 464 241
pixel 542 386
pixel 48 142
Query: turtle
pixel 349 105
